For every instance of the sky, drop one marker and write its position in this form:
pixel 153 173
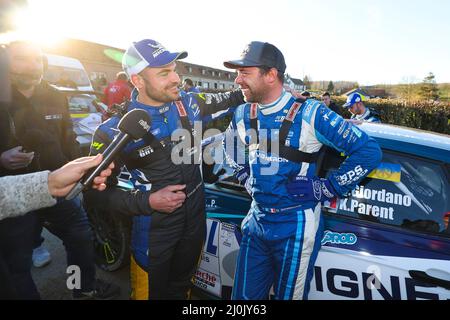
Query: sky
pixel 368 41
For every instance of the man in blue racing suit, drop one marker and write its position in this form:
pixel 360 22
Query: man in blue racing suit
pixel 168 205
pixel 359 111
pixel 282 232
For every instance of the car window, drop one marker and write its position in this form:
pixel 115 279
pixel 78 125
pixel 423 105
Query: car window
pixel 81 104
pixel 405 191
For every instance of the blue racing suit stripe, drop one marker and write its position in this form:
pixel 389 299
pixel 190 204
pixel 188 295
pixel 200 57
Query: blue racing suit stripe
pixel 296 260
pixel 313 258
pixel 283 265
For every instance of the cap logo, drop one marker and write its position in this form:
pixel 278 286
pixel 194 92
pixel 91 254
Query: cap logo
pixel 245 52
pixel 159 48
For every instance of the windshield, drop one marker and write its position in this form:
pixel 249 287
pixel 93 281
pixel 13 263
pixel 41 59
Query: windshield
pixel 66 77
pixel 81 104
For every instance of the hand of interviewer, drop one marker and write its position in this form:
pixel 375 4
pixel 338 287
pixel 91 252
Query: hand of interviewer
pixel 311 189
pixel 62 180
pixel 168 199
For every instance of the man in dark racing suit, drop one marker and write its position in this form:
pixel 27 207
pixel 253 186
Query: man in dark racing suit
pixel 169 222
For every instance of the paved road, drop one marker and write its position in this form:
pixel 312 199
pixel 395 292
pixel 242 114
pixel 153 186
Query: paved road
pixel 51 279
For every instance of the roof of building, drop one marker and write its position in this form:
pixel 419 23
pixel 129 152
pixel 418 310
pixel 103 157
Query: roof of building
pixel 194 70
pixel 297 81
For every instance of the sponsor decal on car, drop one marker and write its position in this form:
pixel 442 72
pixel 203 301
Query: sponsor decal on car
pixel 339 238
pixel 347 274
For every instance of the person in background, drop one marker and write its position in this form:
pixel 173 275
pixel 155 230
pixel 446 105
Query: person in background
pixel 188 86
pixel 65 81
pixel 117 91
pixel 326 98
pixel 306 94
pixel 358 110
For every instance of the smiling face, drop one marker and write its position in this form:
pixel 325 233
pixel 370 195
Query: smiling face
pixel 157 86
pixel 252 83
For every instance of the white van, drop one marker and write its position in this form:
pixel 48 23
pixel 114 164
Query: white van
pixel 62 69
pixel 71 79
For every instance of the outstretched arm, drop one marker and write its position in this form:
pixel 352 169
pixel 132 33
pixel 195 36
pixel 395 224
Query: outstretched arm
pixel 213 106
pixel 24 193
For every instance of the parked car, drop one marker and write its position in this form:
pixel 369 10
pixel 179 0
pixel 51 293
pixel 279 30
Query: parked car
pixel 390 239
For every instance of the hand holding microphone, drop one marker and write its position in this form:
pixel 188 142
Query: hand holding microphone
pixel 62 180
pixel 134 125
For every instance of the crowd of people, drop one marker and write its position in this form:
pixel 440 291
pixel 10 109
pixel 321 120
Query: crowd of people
pixel 282 231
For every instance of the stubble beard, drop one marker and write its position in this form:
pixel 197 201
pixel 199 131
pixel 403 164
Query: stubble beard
pixel 164 96
pixel 253 96
pixel 26 81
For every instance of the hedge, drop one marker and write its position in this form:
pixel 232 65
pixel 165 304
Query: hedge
pixel 432 116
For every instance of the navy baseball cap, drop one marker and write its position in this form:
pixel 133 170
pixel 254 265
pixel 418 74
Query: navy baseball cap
pixel 258 54
pixel 148 53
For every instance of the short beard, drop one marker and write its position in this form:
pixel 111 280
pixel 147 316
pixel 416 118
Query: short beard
pixel 159 96
pixel 26 81
pixel 156 95
pixel 254 97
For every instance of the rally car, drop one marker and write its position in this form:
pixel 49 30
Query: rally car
pixel 390 239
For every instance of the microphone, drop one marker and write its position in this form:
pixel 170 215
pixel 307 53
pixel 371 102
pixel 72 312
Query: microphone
pixel 133 125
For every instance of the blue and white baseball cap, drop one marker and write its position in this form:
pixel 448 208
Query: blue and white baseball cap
pixel 148 53
pixel 352 99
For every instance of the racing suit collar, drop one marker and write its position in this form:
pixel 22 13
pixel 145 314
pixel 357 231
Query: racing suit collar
pixel 363 116
pixel 152 109
pixel 276 106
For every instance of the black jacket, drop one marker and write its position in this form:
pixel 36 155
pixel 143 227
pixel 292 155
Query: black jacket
pixel 335 108
pixel 41 124
pixel 157 167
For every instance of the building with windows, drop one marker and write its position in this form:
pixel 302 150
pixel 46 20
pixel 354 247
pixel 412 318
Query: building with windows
pixel 102 63
pixel 205 77
pixel 294 84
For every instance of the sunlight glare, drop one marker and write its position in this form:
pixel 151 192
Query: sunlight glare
pixel 35 25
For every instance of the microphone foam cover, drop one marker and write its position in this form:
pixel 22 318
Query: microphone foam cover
pixel 136 123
